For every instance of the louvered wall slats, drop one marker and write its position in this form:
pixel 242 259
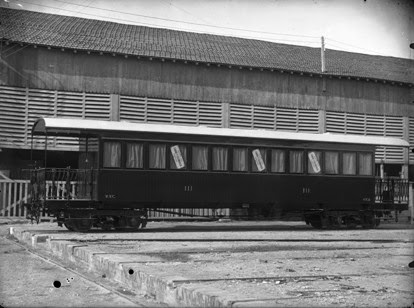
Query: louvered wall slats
pixel 12 123
pixel 41 103
pixel 241 116
pixel 372 125
pixel 184 113
pixel 133 109
pixel 375 125
pixel 355 124
pixel 264 117
pixel 335 122
pixel 394 128
pixel 159 111
pixel 70 105
pixel 308 121
pixel 210 114
pixel 21 107
pixel 97 106
pixel 141 109
pixel 286 119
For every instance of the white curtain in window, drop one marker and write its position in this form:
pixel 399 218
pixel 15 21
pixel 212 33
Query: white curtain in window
pixel 200 158
pixel 219 158
pixel 178 157
pixel 157 156
pixel 112 154
pixel 296 161
pixel 240 159
pixel 331 163
pixel 349 163
pixel 278 161
pixel 365 164
pixel 134 155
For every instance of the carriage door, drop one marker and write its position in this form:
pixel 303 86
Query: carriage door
pixel 313 186
pixel 87 166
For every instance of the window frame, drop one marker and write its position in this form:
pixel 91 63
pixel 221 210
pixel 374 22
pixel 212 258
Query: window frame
pixel 252 161
pixel 285 162
pixel 343 165
pixel 121 158
pixel 303 151
pixel 246 148
pixel 191 148
pixel 170 157
pixel 339 162
pixel 126 143
pixel 166 161
pixel 321 161
pixel 229 158
pixel 358 161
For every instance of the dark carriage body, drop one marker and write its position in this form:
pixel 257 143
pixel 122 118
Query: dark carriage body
pixel 127 168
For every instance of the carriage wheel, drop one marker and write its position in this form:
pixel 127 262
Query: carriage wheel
pixel 316 221
pixel 81 224
pixel 368 222
pixel 68 226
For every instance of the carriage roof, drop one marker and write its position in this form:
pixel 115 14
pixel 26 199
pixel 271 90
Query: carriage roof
pixel 85 127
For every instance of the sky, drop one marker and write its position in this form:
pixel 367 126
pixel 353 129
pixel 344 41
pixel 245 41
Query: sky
pixel 378 27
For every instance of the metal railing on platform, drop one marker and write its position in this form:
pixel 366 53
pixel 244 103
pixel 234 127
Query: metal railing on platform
pixel 392 191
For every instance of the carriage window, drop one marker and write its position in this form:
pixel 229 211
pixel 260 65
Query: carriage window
pixel 296 161
pixel 112 154
pixel 314 162
pixel 331 162
pixel 278 161
pixel 200 158
pixel 157 156
pixel 349 163
pixel 178 157
pixel 240 159
pixel 219 158
pixel 365 164
pixel 259 160
pixel 134 155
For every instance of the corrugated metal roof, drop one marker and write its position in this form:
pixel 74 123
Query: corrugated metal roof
pixel 62 126
pixel 101 36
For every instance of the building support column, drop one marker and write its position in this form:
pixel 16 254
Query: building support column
pixel 114 110
pixel 406 157
pixel 226 115
pixel 322 121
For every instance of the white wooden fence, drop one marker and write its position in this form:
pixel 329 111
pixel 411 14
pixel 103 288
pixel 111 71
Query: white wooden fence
pixel 14 193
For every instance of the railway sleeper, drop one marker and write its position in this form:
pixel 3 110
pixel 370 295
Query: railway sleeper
pixel 321 219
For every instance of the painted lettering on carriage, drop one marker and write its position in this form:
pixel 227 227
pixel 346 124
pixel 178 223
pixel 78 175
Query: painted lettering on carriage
pixel 108 196
pixel 366 199
pixel 258 159
pixel 314 162
pixel 178 158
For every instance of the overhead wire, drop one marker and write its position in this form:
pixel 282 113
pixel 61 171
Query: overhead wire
pixel 159 18
pixel 353 46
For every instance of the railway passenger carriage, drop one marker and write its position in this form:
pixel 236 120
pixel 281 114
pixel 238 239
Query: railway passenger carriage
pixel 127 168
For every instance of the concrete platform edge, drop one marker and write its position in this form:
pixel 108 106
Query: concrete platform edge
pixel 162 289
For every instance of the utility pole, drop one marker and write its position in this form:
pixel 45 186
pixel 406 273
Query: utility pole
pixel 323 54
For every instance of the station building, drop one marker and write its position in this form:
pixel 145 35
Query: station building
pixel 60 66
